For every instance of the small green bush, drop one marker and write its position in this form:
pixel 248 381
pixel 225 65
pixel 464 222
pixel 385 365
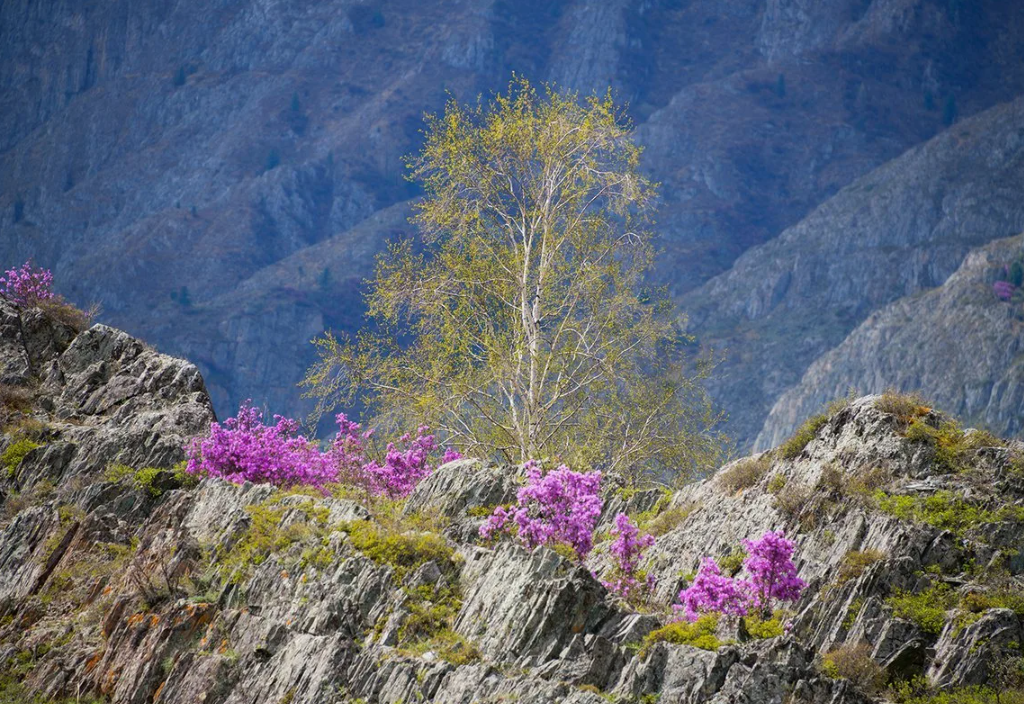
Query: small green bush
pixel 699 634
pixel 777 483
pixel 15 453
pixel 732 563
pixel 142 479
pixel 447 645
pixel 854 563
pixel 266 535
pixel 403 551
pixel 926 609
pixel 945 510
pixel 746 472
pixel 761 629
pixel 952 446
pixel 854 663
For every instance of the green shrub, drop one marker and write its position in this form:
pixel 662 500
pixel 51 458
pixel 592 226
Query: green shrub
pixel 777 483
pixel 402 551
pixel 746 472
pixel 699 634
pixel 142 479
pixel 760 629
pixel 15 453
pixel 265 535
pixel 732 563
pixel 447 645
pixel 854 563
pixel 926 609
pixel 952 446
pixel 966 695
pixel 854 663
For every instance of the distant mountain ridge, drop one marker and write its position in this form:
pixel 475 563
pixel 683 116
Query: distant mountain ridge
pixel 173 160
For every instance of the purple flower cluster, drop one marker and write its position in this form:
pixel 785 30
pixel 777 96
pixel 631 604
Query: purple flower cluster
pixel 27 286
pixel 712 592
pixel 627 549
pixel 244 449
pixel 1003 290
pixel 450 455
pixel 561 506
pixel 772 572
pixel 404 467
pixel 771 575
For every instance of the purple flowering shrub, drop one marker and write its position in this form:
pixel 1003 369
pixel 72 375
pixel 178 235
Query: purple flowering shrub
pixel 27 286
pixel 557 508
pixel 450 455
pixel 771 576
pixel 627 579
pixel 244 449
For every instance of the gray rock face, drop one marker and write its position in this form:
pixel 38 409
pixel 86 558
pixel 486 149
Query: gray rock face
pixel 152 591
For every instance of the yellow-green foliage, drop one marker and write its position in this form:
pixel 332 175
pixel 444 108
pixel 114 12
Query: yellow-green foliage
pixel 660 519
pixel 926 609
pixel 746 472
pixel 266 534
pixel 777 483
pixel 669 519
pixel 15 453
pixel 967 695
pixel 855 562
pixel 732 563
pixel 906 407
pixel 403 551
pixel 760 629
pixel 952 446
pixel 527 201
pixel 431 611
pixel 141 479
pixel 973 604
pixel 699 634
pixel 806 432
pixel 854 663
pixel 945 510
pixel 447 645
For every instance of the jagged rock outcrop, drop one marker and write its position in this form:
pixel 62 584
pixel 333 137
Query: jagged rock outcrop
pixel 150 587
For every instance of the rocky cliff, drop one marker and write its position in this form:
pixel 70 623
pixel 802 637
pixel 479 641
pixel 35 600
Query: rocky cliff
pixel 219 174
pixel 123 580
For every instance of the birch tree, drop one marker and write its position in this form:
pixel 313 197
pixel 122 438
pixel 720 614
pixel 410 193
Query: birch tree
pixel 519 324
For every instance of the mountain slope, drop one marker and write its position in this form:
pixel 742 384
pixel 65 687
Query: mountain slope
pixel 136 584
pixel 903 228
pixel 958 344
pixel 161 155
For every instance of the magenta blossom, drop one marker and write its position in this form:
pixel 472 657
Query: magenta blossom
pixel 405 465
pixel 561 506
pixel 450 455
pixel 769 564
pixel 1004 290
pixel 712 592
pixel 27 286
pixel 627 548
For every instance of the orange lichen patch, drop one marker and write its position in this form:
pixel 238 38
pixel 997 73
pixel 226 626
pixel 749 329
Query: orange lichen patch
pixel 136 619
pixel 223 646
pixel 284 574
pixel 156 694
pixel 154 619
pixel 108 589
pixel 110 681
pixel 92 662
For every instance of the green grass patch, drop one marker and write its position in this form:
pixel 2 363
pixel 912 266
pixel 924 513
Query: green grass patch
pixel 854 563
pixel 12 457
pixel 746 472
pixel 927 609
pixel 761 629
pixel 404 551
pixel 952 446
pixel 945 510
pixel 702 634
pixel 267 534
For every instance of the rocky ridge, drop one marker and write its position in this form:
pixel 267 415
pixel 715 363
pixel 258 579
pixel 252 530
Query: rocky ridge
pixel 144 586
